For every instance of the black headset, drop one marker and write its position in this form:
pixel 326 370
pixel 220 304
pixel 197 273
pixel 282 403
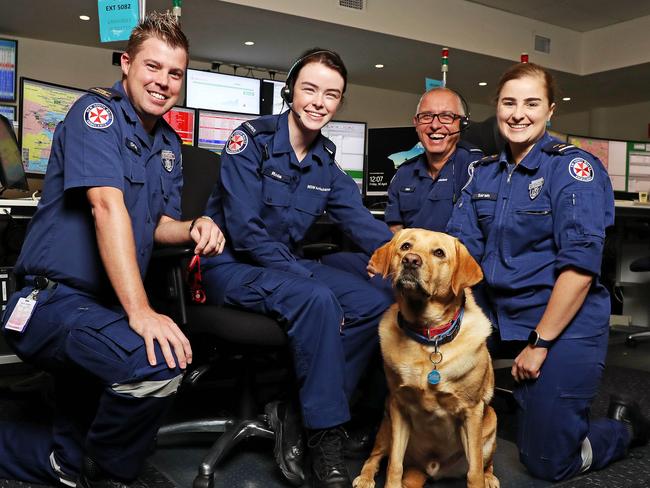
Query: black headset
pixel 287 90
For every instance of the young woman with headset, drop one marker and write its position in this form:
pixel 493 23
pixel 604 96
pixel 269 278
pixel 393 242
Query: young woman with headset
pixel 278 175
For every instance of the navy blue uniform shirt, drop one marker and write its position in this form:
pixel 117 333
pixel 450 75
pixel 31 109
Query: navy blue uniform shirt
pixel 267 199
pixel 526 223
pixel 417 200
pixel 101 142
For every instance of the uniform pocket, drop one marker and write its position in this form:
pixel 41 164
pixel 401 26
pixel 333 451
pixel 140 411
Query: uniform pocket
pixel 274 193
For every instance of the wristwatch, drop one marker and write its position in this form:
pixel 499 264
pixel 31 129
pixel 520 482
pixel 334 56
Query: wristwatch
pixel 535 340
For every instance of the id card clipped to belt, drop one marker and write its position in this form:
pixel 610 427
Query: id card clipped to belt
pixel 24 308
pixel 21 313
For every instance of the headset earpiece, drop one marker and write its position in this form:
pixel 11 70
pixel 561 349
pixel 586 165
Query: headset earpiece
pixel 286 93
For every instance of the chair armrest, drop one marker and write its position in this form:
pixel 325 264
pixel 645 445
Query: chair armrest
pixel 168 252
pixel 173 259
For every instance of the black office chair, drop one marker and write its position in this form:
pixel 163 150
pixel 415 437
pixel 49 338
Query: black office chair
pixel 639 265
pixel 232 330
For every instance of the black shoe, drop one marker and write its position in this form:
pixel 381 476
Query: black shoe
pixel 289 440
pixel 360 440
pixel 327 461
pixel 629 413
pixel 92 476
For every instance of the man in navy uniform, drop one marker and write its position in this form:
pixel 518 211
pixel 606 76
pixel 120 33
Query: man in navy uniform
pixel 111 190
pixel 425 188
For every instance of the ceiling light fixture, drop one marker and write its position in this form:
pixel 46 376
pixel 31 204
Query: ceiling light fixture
pixel 379 66
pixel 249 43
pixel 482 83
pixel 566 99
pixel 84 17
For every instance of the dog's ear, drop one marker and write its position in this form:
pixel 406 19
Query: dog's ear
pixel 467 273
pixel 382 257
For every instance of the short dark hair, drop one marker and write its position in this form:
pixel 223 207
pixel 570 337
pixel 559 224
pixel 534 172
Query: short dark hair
pixel 327 57
pixel 161 25
pixel 520 70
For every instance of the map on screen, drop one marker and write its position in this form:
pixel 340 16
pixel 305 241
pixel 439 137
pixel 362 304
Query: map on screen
pixel 43 106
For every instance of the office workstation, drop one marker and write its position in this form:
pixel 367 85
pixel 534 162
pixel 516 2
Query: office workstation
pixel 228 84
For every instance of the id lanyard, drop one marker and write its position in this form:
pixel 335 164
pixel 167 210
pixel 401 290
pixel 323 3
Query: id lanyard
pixel 197 293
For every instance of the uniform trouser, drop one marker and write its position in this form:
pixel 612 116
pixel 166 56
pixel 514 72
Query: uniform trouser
pixel 331 321
pixel 109 400
pixel 553 415
pixel 356 263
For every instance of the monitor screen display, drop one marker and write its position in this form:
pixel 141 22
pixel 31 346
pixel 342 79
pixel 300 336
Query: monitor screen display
pixel 8 61
pixel 350 141
pixel 613 155
pixel 8 111
pixel 12 173
pixel 42 106
pixel 272 102
pixel 181 119
pixel 217 91
pixel 386 148
pixel 214 128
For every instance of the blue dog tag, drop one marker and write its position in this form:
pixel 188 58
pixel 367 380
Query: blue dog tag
pixel 434 377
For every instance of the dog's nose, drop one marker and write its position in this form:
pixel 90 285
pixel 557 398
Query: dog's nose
pixel 412 260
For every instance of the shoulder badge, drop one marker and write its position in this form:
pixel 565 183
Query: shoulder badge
pixel 237 142
pixel 168 159
pixel 107 93
pixel 98 116
pixel 260 126
pixel 469 147
pixel 581 169
pixel 555 147
pixel 487 159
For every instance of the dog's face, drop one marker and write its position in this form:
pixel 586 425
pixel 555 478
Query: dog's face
pixel 426 263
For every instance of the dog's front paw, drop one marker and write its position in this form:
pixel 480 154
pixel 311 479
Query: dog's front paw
pixel 363 482
pixel 491 481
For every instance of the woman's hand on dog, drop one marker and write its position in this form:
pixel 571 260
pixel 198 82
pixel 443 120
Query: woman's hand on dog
pixel 528 363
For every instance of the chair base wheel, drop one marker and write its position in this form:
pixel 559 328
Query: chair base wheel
pixel 203 481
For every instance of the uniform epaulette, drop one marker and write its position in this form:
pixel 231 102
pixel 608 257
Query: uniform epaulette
pixel 106 93
pixel 469 147
pixel 263 125
pixel 329 146
pixel 555 147
pixel 488 159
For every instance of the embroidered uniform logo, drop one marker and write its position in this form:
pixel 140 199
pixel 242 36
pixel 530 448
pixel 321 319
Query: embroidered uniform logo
pixel 581 170
pixel 98 116
pixel 168 159
pixel 237 142
pixel 535 187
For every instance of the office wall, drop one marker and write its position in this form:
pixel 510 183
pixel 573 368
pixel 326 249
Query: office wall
pixel 83 67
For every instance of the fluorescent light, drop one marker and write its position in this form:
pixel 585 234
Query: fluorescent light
pixel 482 83
pixel 379 66
pixel 249 43
pixel 84 17
pixel 566 99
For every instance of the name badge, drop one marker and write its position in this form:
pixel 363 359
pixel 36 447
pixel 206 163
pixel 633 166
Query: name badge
pixel 484 195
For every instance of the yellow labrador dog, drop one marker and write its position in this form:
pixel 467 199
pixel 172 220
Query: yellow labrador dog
pixel 438 422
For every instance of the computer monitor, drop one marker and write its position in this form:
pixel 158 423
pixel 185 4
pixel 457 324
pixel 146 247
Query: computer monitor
pixel 181 119
pixel 8 62
pixel 383 143
pixel 613 154
pixel 350 141
pixel 217 91
pixel 12 173
pixel 214 128
pixel 8 111
pixel 42 106
pixel 271 102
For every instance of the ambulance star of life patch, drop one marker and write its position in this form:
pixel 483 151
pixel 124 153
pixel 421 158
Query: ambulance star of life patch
pixel 98 116
pixel 237 142
pixel 581 169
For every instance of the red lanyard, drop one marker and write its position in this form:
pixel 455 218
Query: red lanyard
pixel 197 293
